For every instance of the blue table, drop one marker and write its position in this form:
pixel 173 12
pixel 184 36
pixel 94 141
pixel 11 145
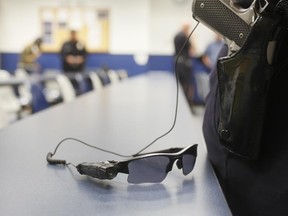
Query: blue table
pixel 124 118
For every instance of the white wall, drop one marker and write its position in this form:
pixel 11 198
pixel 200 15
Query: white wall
pixel 136 26
pixel 129 32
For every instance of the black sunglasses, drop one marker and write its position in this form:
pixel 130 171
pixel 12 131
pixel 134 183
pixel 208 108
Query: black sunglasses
pixel 151 167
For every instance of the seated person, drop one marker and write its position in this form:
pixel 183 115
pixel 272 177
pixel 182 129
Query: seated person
pixel 29 56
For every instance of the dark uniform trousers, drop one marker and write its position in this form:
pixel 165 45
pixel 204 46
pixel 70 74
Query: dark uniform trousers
pixel 254 187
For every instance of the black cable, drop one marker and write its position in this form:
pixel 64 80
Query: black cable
pixel 84 143
pixel 56 161
pixel 177 93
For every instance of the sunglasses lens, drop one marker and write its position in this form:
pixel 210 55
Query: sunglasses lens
pixel 148 170
pixel 188 161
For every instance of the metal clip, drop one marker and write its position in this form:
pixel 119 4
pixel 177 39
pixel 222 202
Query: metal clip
pixel 262 8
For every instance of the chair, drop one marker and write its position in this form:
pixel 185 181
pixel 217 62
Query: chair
pixel 66 88
pixel 58 87
pixel 96 81
pixel 39 101
pixel 113 76
pixel 24 91
pixel 103 75
pixel 79 82
pixel 51 87
pixel 123 74
pixel 9 103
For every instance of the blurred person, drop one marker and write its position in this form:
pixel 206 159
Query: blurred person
pixel 184 64
pixel 73 54
pixel 201 75
pixel 30 55
pixel 212 51
pixel 205 64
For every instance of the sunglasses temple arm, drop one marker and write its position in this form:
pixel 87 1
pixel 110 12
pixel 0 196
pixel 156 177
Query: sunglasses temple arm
pixel 170 150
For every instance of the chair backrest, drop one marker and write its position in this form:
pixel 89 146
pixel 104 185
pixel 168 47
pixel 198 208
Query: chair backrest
pixel 81 85
pixel 4 75
pixel 8 98
pixel 39 101
pixel 66 88
pixel 51 86
pixel 123 74
pixel 52 91
pixel 103 75
pixel 96 81
pixel 21 73
pixel 9 102
pixel 113 76
pixel 25 89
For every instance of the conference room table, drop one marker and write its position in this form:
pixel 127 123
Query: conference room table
pixel 124 117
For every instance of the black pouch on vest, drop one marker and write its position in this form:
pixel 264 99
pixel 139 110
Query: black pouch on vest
pixel 244 81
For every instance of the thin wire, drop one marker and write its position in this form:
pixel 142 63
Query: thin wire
pixel 91 146
pixel 177 93
pixel 71 164
pixel 155 140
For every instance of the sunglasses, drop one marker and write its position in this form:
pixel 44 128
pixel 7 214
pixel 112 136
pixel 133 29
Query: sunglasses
pixel 150 167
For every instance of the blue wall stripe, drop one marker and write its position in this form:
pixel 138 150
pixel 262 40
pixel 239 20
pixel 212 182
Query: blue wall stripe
pixel 52 61
pixel 9 61
pixel 156 62
pixel 161 62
